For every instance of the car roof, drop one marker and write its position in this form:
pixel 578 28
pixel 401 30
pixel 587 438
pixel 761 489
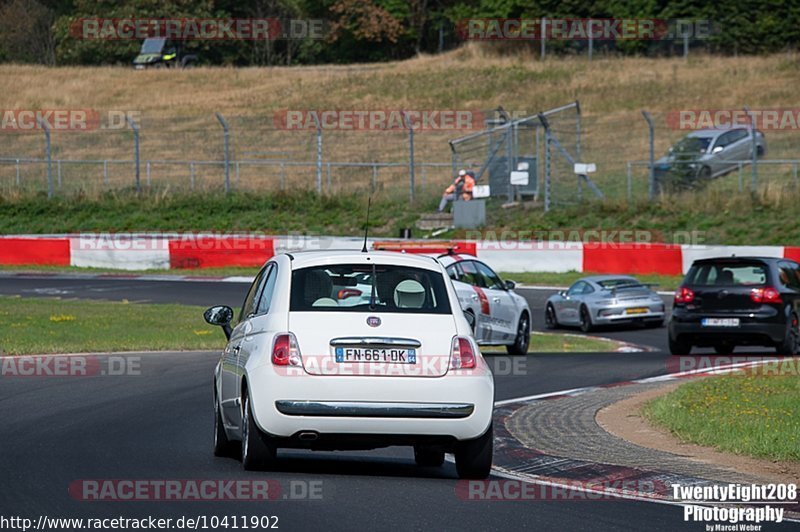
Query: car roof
pixel 600 278
pixel 449 258
pixel 713 132
pixel 302 259
pixel 732 258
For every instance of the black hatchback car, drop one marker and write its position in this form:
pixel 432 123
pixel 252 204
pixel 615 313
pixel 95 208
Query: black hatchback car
pixel 725 302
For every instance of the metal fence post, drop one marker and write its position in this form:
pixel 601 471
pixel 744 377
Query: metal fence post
pixel 227 138
pixel 547 142
pixel 191 175
pixel 58 173
pixel 538 162
pixel 49 155
pixel 630 181
pixel 578 129
pixel 19 183
pixel 453 159
pixel 547 170
pixel 754 180
pixel 543 36
pixel 651 185
pixel 105 171
pixel 135 129
pixel 410 156
pixel 148 174
pixel 319 153
pixel 510 161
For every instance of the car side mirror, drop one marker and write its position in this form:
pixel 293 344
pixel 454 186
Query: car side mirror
pixel 563 293
pixel 222 316
pixel 717 149
pixel 510 285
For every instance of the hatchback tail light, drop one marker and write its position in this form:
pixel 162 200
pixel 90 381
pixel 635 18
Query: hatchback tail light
pixel 765 295
pixel 684 295
pixel 462 354
pixel 285 351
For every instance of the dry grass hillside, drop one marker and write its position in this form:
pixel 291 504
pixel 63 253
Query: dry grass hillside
pixel 177 108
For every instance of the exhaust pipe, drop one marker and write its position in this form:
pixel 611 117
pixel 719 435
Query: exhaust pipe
pixel 308 436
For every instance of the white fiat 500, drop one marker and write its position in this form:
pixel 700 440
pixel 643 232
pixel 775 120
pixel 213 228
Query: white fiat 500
pixel 347 350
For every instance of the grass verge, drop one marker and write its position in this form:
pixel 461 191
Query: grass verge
pixel 562 343
pixel 39 326
pixel 751 415
pixel 703 218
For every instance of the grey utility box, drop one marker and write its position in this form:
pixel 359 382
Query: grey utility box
pixel 469 214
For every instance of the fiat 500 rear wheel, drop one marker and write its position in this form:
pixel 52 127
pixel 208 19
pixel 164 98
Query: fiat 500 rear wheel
pixel 256 453
pixel 474 457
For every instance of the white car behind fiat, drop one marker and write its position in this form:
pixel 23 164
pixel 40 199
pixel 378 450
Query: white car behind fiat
pixel 348 350
pixel 498 315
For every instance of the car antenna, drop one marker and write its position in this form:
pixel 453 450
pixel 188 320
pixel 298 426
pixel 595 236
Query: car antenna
pixel 366 229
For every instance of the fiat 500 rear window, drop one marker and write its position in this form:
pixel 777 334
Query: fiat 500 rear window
pixel 368 288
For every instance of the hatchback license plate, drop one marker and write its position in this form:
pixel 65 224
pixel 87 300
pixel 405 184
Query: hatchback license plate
pixel 376 354
pixel 720 322
pixel 637 310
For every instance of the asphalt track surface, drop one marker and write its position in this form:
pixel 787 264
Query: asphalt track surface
pixel 158 425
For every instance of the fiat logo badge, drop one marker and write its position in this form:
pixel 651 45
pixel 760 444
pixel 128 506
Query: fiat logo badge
pixel 373 321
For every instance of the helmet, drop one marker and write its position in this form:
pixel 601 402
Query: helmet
pixel 462 173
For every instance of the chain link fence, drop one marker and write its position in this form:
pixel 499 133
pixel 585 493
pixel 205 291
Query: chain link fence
pixel 235 152
pixel 254 153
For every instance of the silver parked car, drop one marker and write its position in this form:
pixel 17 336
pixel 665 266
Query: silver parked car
pixel 604 300
pixel 707 153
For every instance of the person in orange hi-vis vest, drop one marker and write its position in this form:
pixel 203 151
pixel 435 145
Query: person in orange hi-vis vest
pixel 463 186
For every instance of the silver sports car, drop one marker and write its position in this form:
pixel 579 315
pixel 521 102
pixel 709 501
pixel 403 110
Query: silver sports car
pixel 604 300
